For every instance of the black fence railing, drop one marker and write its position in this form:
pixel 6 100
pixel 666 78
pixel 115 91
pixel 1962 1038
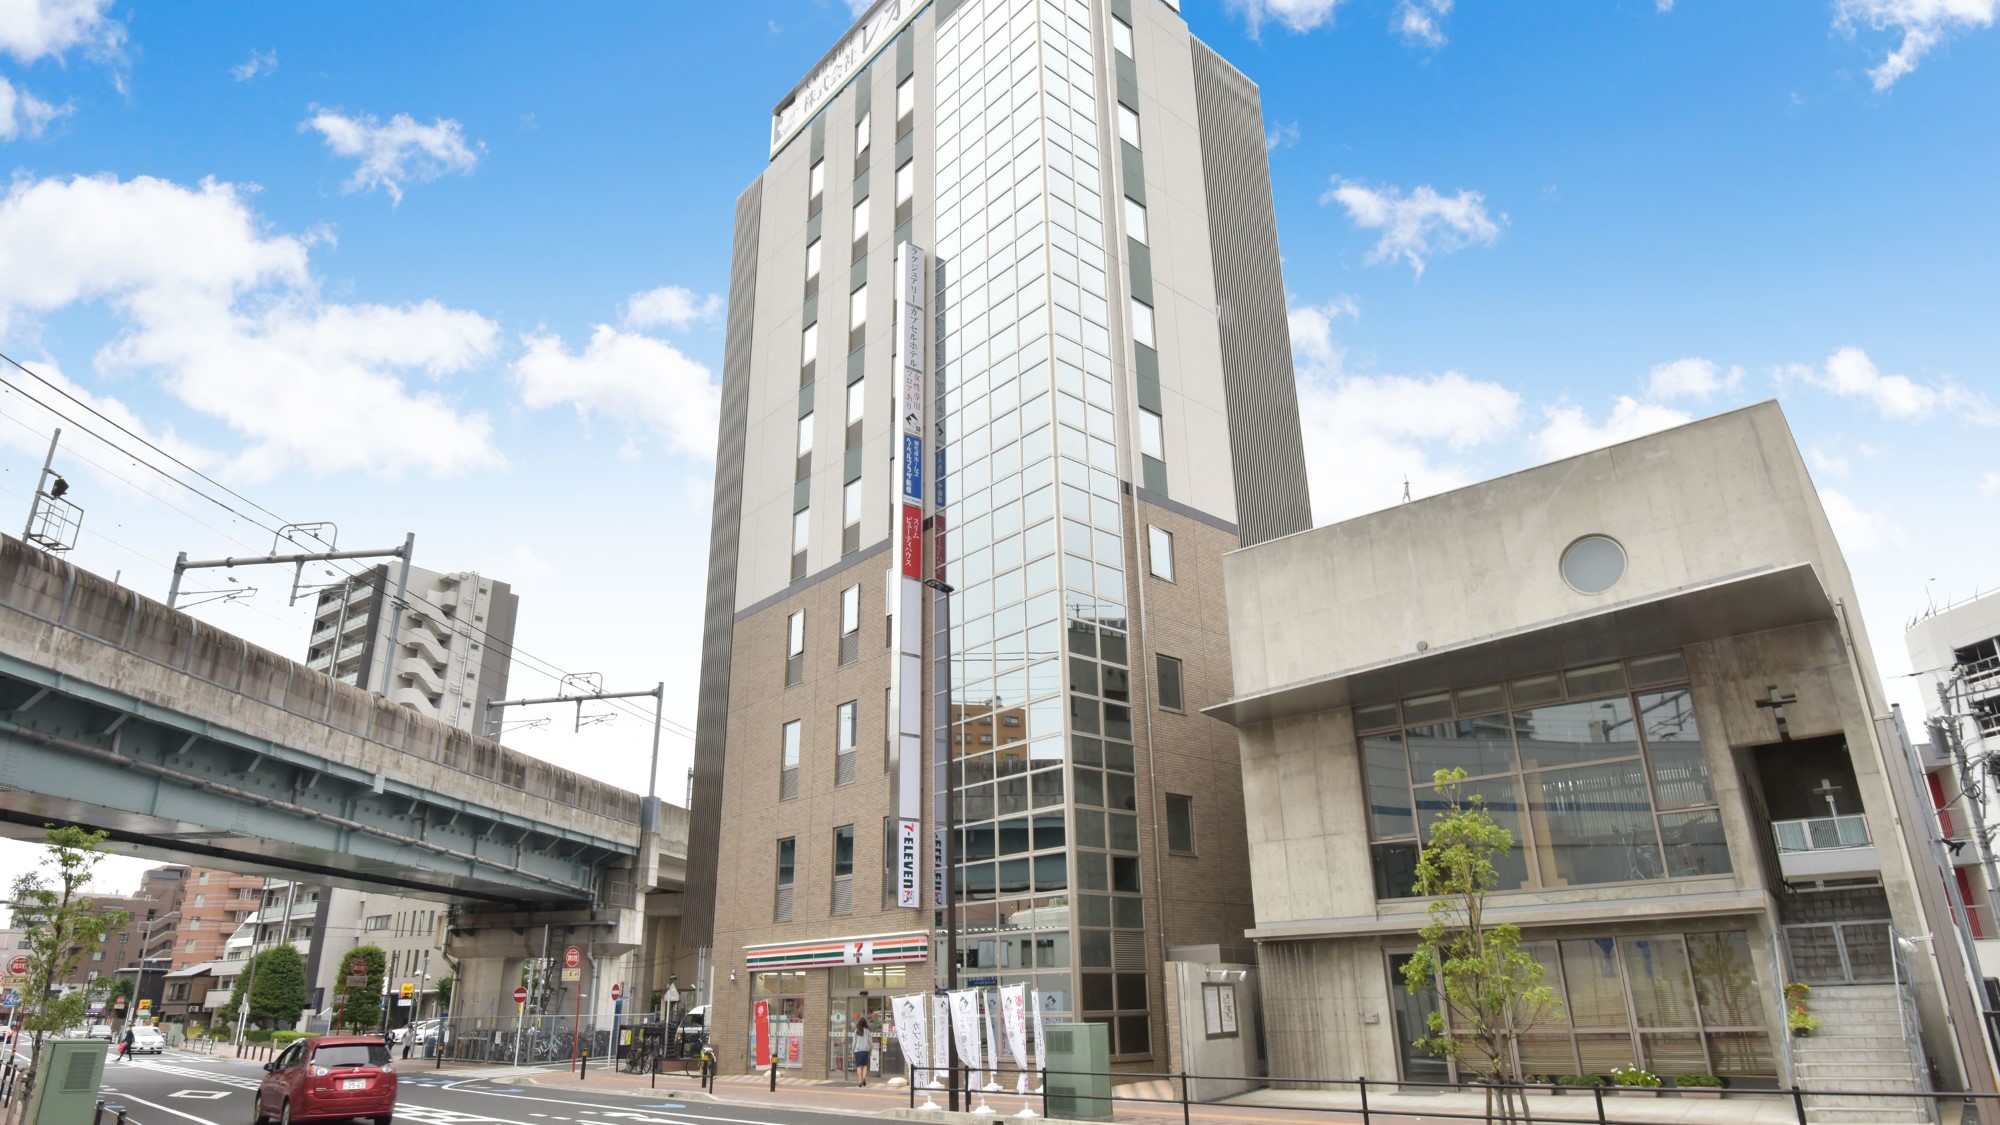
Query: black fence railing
pixel 1371 1100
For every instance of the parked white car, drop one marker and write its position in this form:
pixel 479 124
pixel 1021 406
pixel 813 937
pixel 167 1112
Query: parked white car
pixel 148 1041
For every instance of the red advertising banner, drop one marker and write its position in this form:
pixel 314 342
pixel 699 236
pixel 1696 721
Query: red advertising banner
pixel 763 1022
pixel 913 541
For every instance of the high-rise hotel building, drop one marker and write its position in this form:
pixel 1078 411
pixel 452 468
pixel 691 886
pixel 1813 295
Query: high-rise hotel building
pixel 1006 314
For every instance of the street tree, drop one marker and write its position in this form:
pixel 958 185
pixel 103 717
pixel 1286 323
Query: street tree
pixel 1490 991
pixel 363 1007
pixel 278 988
pixel 63 925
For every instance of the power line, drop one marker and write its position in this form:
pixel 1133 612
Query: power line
pixel 548 668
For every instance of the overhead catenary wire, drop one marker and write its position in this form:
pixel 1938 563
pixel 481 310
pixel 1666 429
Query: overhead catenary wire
pixel 530 661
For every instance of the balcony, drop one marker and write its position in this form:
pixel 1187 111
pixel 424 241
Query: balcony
pixel 1825 847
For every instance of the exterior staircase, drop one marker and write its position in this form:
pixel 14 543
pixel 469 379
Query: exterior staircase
pixel 1860 1046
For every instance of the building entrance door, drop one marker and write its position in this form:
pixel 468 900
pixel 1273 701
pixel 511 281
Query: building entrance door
pixel 1412 1014
pixel 887 1059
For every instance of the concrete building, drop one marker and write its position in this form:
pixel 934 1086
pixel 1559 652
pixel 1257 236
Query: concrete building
pixel 1006 310
pixel 1955 651
pixel 213 906
pixel 1650 661
pixel 449 652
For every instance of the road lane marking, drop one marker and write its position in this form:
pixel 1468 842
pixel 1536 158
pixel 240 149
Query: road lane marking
pixel 170 1109
pixel 681 1118
pixel 205 1095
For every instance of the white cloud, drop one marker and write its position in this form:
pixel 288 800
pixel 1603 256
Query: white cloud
pixel 1832 464
pixel 670 306
pixel 35 29
pixel 1923 24
pixel 231 321
pixel 1281 136
pixel 1417 21
pixel 1367 436
pixel 394 154
pixel 258 64
pixel 24 115
pixel 1691 377
pixel 1312 329
pixel 1569 430
pixel 856 7
pixel 1856 529
pixel 1990 486
pixel 1850 373
pixel 1663 5
pixel 625 376
pixel 1293 15
pixel 1418 224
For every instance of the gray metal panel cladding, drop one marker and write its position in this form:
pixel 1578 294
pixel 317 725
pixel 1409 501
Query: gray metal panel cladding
pixel 1266 447
pixel 711 722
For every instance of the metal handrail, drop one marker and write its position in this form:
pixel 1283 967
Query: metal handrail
pixel 1906 1012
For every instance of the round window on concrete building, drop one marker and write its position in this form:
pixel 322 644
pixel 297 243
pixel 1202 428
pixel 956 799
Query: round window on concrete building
pixel 1593 564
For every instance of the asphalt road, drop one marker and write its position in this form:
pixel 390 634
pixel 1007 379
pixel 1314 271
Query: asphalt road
pixel 190 1089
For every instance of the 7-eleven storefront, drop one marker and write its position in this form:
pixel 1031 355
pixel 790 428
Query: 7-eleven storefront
pixel 810 994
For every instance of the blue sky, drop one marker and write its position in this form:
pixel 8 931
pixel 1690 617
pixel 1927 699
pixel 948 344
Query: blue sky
pixel 454 269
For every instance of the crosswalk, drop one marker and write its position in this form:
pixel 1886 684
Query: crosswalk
pixel 220 1077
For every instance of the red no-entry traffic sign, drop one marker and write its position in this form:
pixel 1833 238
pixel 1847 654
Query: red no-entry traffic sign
pixel 617 991
pixel 520 996
pixel 572 957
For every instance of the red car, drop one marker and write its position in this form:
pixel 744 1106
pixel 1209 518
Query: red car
pixel 337 1076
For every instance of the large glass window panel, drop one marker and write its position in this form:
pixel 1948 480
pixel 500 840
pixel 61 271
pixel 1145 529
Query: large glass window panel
pixel 1724 981
pixel 1013 837
pixel 1477 746
pixel 812 259
pixel 1503 804
pixel 1596 993
pixel 790 745
pixel 1673 747
pixel 1695 844
pixel 1568 733
pixel 1657 971
pixel 1395 869
pixel 1390 813
pixel 1142 323
pixel 1135 221
pixel 1594 824
pixel 1122 830
pixel 1678 1052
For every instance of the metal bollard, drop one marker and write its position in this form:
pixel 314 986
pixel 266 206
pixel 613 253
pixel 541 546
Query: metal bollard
pixel 1365 1118
pixel 120 1111
pixel 1185 1119
pixel 583 1064
pixel 97 1117
pixel 774 1071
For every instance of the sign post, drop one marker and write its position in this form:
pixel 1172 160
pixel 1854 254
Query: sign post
pixel 520 1019
pixel 572 958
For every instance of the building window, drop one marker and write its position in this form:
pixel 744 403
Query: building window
pixel 861 134
pixel 1142 323
pixel 843 870
pixel 861 220
pixel 906 182
pixel 1170 682
pixel 812 259
pixel 850 609
pixel 1128 125
pixel 906 97
pixel 1121 36
pixel 857 318
pixel 816 180
pixel 846 726
pixel 1598 784
pixel 1159 543
pixel 850 503
pixel 788 859
pixel 377 922
pixel 809 344
pixel 1180 824
pixel 857 400
pixel 806 435
pixel 1152 435
pixel 1135 221
pixel 801 528
pixel 788 761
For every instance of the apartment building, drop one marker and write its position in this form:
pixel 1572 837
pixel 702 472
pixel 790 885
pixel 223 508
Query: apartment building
pixel 214 903
pixel 1007 371
pixel 444 655
pixel 1955 652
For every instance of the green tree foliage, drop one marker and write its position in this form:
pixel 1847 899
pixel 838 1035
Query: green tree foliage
pixel 277 986
pixel 1490 992
pixel 63 925
pixel 363 1009
pixel 445 985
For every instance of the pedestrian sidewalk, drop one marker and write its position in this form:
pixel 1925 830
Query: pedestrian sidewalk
pixel 1260 1107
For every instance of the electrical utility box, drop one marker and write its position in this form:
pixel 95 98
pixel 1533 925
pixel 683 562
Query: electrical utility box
pixel 1083 1051
pixel 66 1090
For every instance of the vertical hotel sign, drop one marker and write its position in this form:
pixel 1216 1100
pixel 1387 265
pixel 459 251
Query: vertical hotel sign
pixel 906 581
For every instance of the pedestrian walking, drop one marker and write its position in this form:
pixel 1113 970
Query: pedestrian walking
pixel 125 1045
pixel 864 1040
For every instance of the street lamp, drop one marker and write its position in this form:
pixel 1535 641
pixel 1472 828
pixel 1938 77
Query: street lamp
pixel 950 873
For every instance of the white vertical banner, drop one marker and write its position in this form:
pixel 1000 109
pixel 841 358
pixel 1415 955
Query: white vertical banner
pixel 1014 1016
pixel 940 1040
pixel 992 1014
pixel 910 1020
pixel 907 521
pixel 1041 1048
pixel 965 1025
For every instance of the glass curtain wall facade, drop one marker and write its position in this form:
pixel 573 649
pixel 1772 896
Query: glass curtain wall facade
pixel 1030 526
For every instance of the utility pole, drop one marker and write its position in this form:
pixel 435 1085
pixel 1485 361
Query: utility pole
pixel 649 813
pixel 1972 785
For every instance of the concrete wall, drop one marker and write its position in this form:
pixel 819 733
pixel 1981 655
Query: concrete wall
pixel 1189 1050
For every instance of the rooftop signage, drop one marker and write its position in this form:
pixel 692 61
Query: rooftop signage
pixel 863 42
